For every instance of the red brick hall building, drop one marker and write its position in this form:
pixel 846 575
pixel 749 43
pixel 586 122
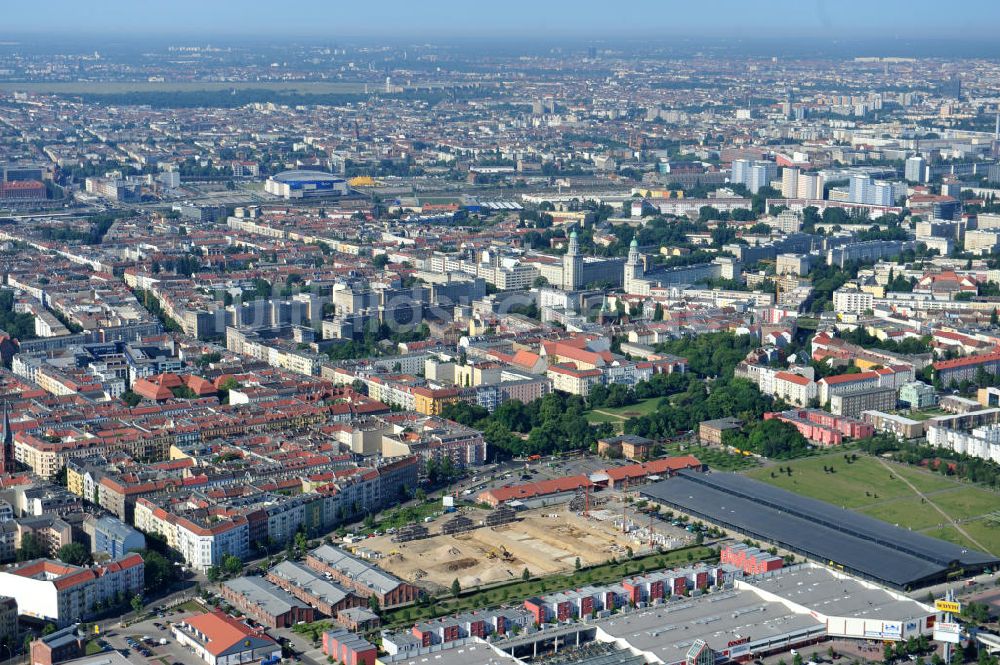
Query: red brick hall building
pixel 750 560
pixel 22 190
pixel 346 647
pixel 266 603
pixel 361 577
pixel 57 647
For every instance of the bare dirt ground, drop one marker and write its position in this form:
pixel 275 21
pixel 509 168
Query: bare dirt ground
pixel 545 541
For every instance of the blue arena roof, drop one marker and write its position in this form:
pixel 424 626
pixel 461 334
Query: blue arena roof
pixel 306 175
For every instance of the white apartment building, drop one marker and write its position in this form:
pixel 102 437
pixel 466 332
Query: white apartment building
pixel 982 442
pixel 810 186
pixel 794 388
pixel 982 241
pixel 574 381
pixel 203 547
pixel 61 593
pixel 852 301
pixel 514 278
pixel 988 221
pixel 787 221
pixel 789 182
pixel 761 375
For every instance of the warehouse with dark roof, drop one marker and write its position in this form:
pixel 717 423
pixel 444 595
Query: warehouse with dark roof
pixel 843 539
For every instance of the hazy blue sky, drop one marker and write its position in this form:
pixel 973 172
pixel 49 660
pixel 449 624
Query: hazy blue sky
pixel 841 19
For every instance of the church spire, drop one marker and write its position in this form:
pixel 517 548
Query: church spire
pixel 633 252
pixel 7 434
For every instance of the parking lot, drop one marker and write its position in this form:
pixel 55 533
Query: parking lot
pixel 156 628
pixel 301 645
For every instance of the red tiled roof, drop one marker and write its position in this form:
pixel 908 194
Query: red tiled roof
pixel 199 385
pixel 74 579
pixel 524 358
pixel 23 184
pixel 654 467
pixel 849 378
pixel 569 370
pixel 149 390
pixel 967 361
pixel 797 379
pixel 540 488
pixel 222 631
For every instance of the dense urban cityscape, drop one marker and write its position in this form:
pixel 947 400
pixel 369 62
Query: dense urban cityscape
pixel 487 351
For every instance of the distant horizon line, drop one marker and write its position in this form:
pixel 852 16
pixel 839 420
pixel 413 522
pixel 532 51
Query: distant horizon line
pixel 610 37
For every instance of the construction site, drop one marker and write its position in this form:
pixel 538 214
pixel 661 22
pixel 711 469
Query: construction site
pixel 479 546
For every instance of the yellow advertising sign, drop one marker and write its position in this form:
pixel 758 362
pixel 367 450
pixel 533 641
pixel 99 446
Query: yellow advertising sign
pixel 947 606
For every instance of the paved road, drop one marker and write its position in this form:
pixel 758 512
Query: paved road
pixel 962 589
pixel 302 646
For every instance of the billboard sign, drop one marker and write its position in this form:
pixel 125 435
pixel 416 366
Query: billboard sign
pixel 892 630
pixel 884 630
pixel 947 632
pixel 949 606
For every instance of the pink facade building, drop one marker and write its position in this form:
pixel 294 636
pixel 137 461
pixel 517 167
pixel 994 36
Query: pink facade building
pixel 822 427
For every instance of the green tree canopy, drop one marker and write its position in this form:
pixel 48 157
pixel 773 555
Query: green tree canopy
pixel 74 554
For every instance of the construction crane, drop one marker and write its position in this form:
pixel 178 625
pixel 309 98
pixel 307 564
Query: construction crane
pixel 625 507
pixel 650 529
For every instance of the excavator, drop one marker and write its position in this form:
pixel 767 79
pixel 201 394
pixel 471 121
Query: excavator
pixel 500 552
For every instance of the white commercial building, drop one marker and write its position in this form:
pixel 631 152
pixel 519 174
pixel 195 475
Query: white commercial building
pixel 305 184
pixel 219 639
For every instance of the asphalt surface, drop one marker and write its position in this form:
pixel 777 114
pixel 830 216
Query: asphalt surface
pixel 172 652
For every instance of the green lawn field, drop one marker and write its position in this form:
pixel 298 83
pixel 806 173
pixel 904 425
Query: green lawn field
pixel 925 481
pixel 868 487
pixel 981 530
pixel 908 513
pixel 948 533
pixel 985 532
pixel 640 408
pixel 967 502
pixel 620 415
pixel 845 487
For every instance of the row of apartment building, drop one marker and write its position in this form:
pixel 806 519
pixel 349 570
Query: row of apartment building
pixel 204 536
pixel 52 591
pixel 46 457
pixel 562 606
